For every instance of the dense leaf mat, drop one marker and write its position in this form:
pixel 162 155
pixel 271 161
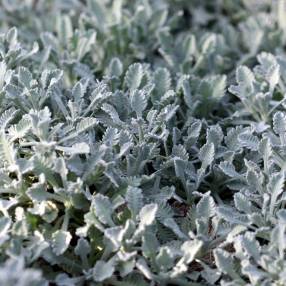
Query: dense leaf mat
pixel 142 142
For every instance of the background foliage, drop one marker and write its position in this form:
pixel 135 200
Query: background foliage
pixel 142 142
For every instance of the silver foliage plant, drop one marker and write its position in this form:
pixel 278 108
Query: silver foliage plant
pixel 142 142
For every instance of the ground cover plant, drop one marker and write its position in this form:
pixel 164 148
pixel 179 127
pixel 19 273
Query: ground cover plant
pixel 142 142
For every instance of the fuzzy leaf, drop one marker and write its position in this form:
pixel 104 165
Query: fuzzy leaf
pixel 206 154
pixel 60 241
pixel 275 188
pixel 147 215
pixel 279 122
pixel 190 249
pixel 249 141
pixel 162 81
pixel 229 169
pixel 134 198
pixel 224 261
pixel 102 270
pixel 138 101
pixel 206 207
pixel 134 76
pixel 103 209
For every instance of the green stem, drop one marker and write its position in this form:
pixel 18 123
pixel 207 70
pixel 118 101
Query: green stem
pixel 66 220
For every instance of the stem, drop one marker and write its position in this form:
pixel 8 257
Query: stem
pixel 276 106
pixel 218 199
pixel 66 220
pixel 56 197
pixel 166 148
pixel 84 262
pixel 141 134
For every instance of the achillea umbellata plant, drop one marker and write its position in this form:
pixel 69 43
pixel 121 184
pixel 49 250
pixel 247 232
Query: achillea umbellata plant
pixel 142 142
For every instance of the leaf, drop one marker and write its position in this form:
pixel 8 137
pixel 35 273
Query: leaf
pixel 143 268
pixel 190 249
pixel 180 152
pixel 65 29
pixel 180 166
pixel 103 209
pixel 162 81
pixel 150 244
pixel 249 141
pixel 110 136
pixel 230 215
pixel 195 129
pixel 211 89
pixel 187 92
pixel 279 123
pixel 41 165
pixel 7 152
pixel 78 92
pixel 50 78
pixel 138 101
pixel 38 192
pixel 229 169
pixel 115 68
pixel 176 135
pixel 245 79
pixel 25 77
pixel 147 215
pixel 254 274
pixel 3 71
pixel 85 44
pixel 134 76
pixel 5 223
pixel 242 203
pixel 254 180
pixel 215 135
pixel 78 148
pixel 111 111
pixel 114 236
pixel 102 270
pixel 208 43
pixel 218 84
pixel 5 205
pixel 210 275
pixel 172 225
pixel 269 69
pixel 265 148
pixel 60 241
pixel 206 207
pixel 224 262
pixel 232 138
pixel 206 154
pixel 85 124
pixel 134 199
pixel 20 129
pixel 82 248
pixel 275 188
pixel 250 245
pixel 167 113
pixel 164 258
pixel 6 117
